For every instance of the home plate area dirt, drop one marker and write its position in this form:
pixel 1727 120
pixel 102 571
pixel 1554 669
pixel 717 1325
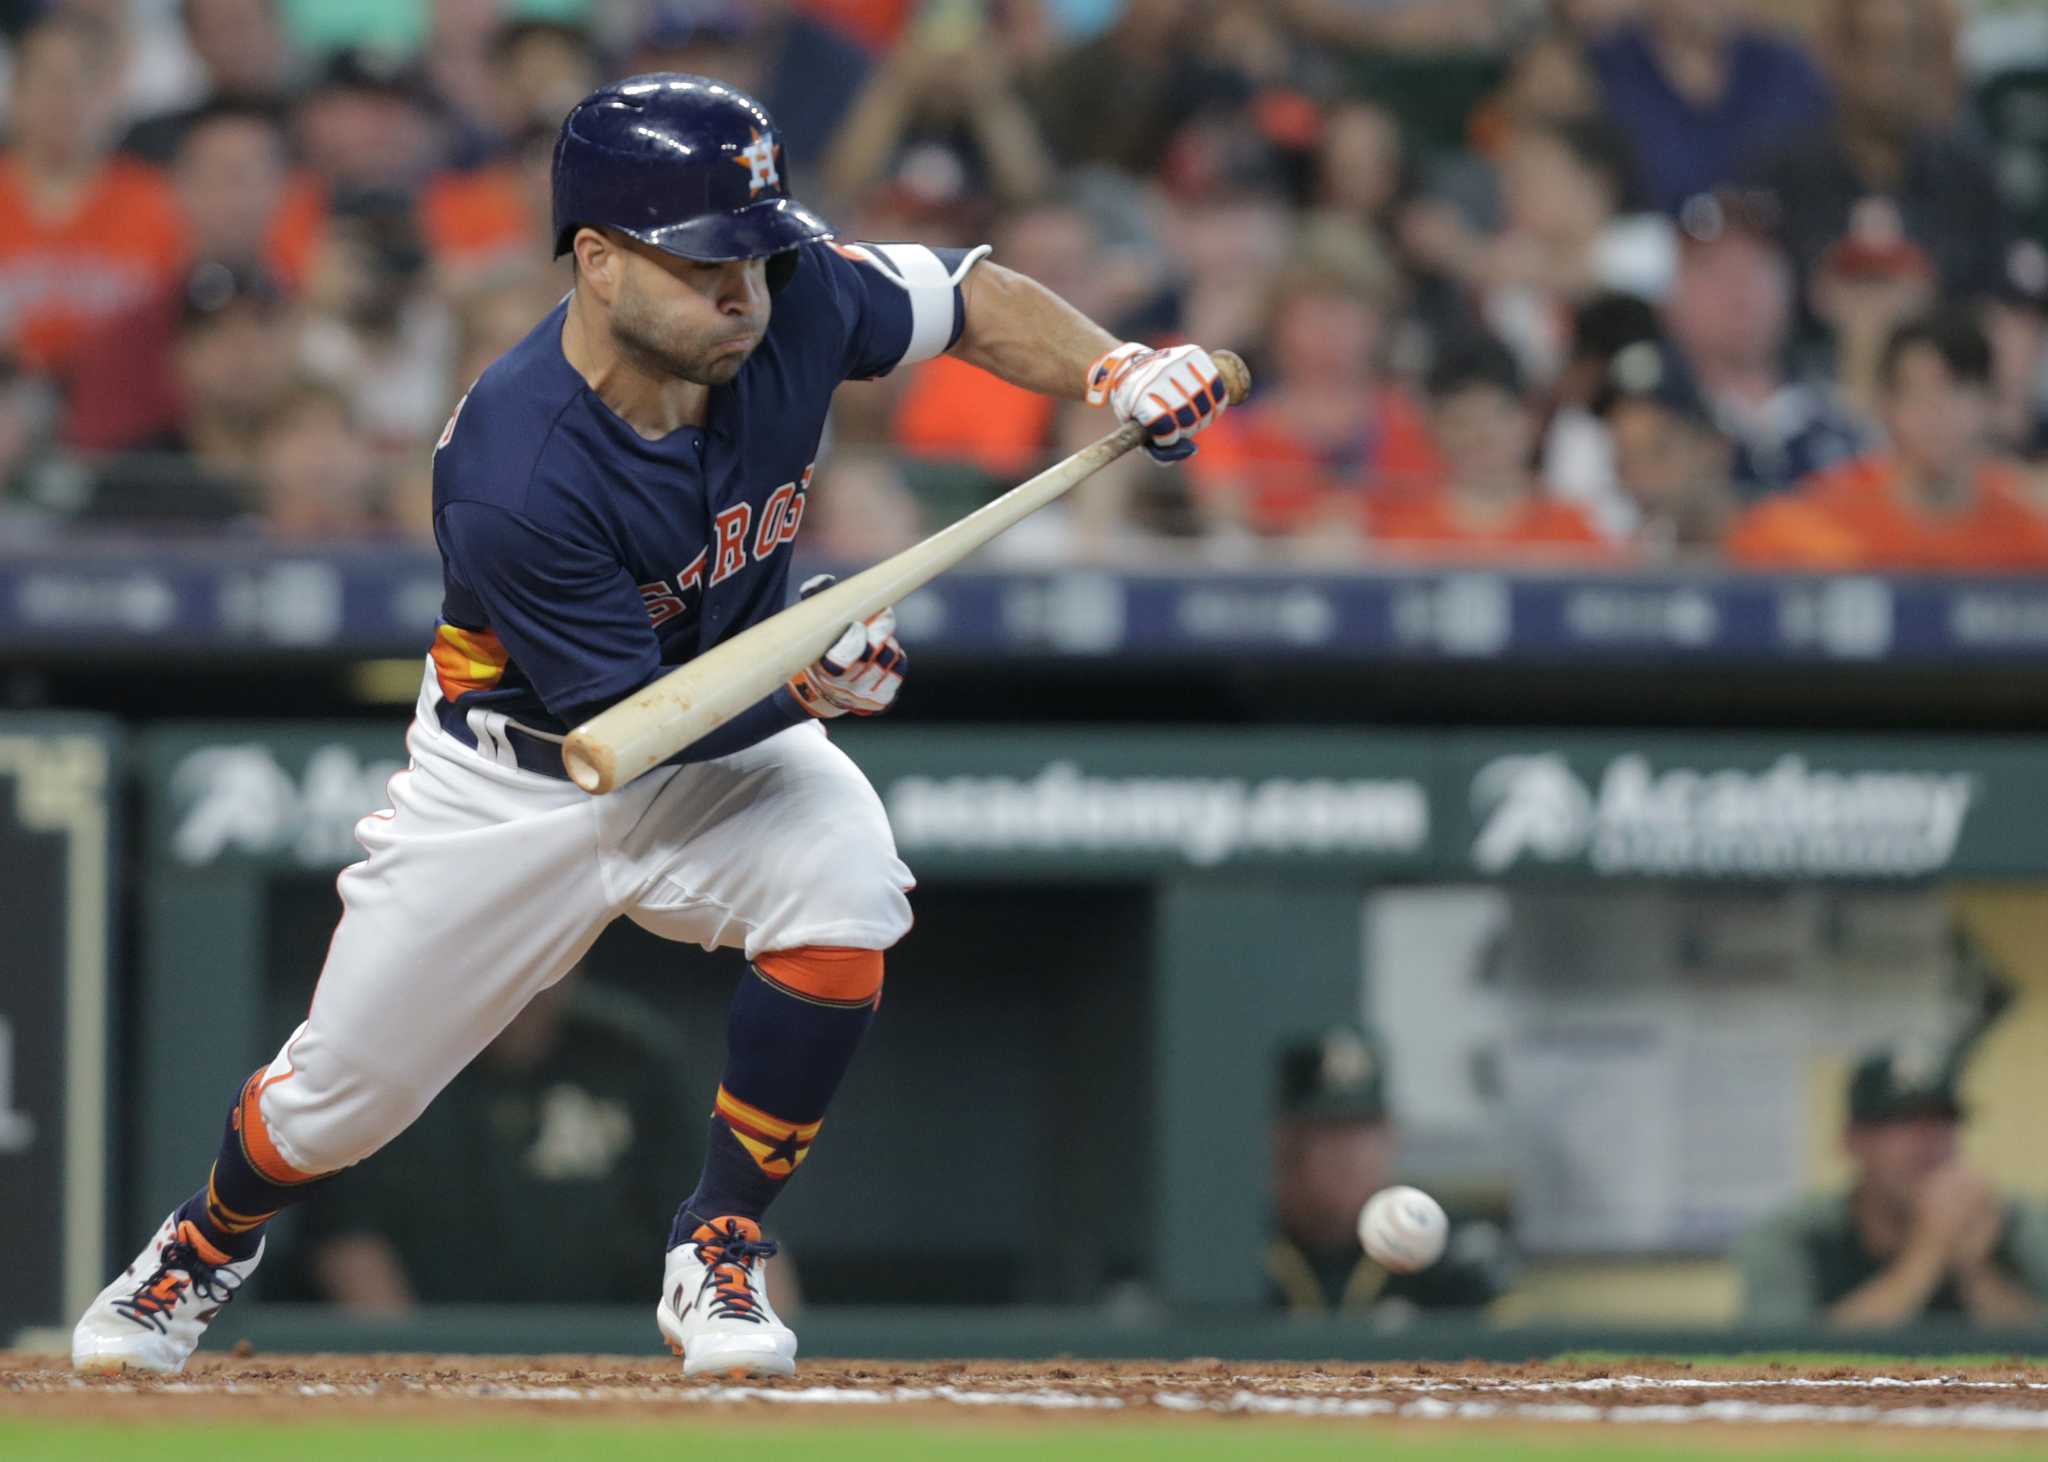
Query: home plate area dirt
pixel 2011 1400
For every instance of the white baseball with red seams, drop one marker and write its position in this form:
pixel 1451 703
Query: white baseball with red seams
pixel 1403 1229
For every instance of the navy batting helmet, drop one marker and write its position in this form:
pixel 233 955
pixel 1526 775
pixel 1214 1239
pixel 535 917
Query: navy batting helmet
pixel 682 163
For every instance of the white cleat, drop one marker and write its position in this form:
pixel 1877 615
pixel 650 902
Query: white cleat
pixel 714 1309
pixel 151 1317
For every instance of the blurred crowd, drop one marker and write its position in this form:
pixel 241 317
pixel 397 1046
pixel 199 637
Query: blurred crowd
pixel 1570 281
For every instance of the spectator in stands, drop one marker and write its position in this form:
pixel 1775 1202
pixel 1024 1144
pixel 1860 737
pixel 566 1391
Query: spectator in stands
pixel 231 359
pixel 1730 314
pixel 501 213
pixel 540 68
pixel 316 476
pixel 863 509
pixel 240 45
pixel 1919 1234
pixel 1937 499
pixel 573 1115
pixel 2016 322
pixel 806 73
pixel 1698 91
pixel 946 91
pixel 456 69
pixel 1578 450
pixel 241 206
pixel 500 209
pixel 83 236
pixel 1567 233
pixel 1549 83
pixel 1224 250
pixel 378 328
pixel 1671 461
pixel 1334 1146
pixel 1883 171
pixel 1152 60
pixel 1491 505
pixel 366 126
pixel 1326 428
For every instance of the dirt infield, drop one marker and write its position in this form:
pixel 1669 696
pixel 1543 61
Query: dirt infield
pixel 2010 1400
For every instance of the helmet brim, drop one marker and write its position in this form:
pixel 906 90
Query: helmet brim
pixel 772 226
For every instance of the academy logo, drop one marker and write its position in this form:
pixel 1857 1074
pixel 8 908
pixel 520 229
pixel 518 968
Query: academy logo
pixel 1789 820
pixel 1202 820
pixel 243 801
pixel 758 156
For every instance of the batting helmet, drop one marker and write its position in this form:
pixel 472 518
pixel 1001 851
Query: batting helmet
pixel 684 164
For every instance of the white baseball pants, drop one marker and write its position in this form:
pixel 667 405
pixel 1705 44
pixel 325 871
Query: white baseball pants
pixel 485 884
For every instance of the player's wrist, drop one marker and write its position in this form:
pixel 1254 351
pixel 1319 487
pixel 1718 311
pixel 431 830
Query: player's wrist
pixel 1109 368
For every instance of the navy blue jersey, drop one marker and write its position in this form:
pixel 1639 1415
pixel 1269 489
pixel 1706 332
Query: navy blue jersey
pixel 582 559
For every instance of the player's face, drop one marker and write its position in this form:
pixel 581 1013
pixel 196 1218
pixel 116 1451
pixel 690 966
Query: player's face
pixel 697 321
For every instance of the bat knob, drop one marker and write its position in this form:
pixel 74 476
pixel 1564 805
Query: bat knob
pixel 1237 376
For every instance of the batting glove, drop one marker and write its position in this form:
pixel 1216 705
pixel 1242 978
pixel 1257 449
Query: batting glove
pixel 1171 393
pixel 862 671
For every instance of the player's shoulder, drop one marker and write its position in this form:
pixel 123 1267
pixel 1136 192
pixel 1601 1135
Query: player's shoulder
pixel 505 427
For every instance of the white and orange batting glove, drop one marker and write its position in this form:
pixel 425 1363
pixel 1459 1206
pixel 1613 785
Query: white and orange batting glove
pixel 1171 393
pixel 862 671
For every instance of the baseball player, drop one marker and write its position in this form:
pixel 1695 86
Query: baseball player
pixel 615 494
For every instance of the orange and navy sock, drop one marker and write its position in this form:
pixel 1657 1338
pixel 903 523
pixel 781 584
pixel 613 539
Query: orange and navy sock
pixel 791 1034
pixel 250 1182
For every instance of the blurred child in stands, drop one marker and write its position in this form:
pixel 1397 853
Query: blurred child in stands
pixel 1939 498
pixel 1491 504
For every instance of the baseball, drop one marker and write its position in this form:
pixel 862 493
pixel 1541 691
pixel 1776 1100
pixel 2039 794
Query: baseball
pixel 1403 1229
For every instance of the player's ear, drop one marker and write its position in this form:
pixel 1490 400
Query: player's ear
pixel 598 260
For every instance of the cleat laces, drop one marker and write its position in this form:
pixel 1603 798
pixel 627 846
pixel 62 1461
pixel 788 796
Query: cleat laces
pixel 158 1295
pixel 728 1257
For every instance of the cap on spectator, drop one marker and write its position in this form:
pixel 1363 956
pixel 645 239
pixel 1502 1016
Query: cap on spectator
pixel 1651 370
pixel 1339 1076
pixel 1902 1083
pixel 1876 246
pixel 214 286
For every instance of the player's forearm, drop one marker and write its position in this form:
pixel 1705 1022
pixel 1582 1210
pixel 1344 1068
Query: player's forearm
pixel 1019 330
pixel 776 712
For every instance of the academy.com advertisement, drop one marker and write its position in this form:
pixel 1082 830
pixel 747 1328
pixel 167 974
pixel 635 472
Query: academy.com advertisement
pixel 1203 820
pixel 1104 802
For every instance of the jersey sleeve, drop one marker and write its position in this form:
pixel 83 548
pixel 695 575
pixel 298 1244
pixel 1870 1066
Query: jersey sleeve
pixel 568 614
pixel 897 303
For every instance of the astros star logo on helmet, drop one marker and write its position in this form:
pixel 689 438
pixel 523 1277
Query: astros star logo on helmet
pixel 759 157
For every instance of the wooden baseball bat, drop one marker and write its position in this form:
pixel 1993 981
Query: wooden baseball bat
pixel 685 705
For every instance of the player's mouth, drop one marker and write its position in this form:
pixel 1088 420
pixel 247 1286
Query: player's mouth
pixel 738 343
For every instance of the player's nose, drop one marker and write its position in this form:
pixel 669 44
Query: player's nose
pixel 744 288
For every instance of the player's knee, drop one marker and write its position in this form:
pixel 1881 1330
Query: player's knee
pixel 826 974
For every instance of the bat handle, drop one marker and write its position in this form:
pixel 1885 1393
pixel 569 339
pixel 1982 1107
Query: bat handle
pixel 1237 377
